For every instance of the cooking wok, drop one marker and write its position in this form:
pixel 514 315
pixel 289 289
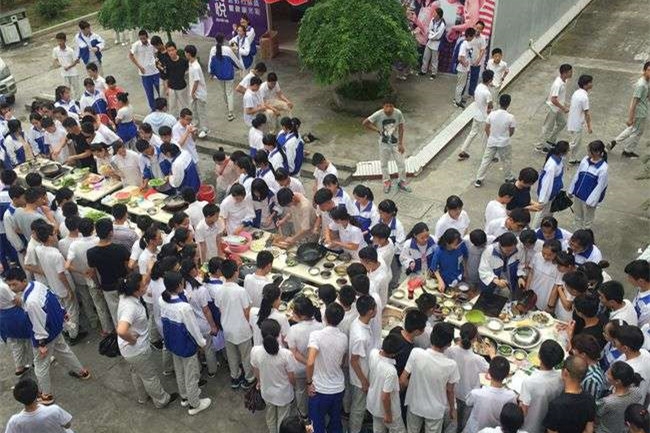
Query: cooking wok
pixel 290 287
pixel 51 169
pixel 174 203
pixel 247 269
pixel 310 253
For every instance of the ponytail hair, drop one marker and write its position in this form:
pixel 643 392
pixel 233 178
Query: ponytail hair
pixel 173 285
pixel 163 265
pixel 270 333
pixel 129 285
pixel 219 37
pixel 560 149
pixel 625 373
pixel 363 192
pixel 417 229
pixel 270 294
pixel 187 266
pixel 149 234
pixel 468 332
pixel 62 194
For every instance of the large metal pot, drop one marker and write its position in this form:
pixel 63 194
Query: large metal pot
pixel 51 169
pixel 290 287
pixel 310 253
pixel 174 203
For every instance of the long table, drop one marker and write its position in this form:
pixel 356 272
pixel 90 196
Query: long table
pixel 139 205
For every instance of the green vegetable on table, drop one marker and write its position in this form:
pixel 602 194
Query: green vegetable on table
pixel 96 215
pixel 155 183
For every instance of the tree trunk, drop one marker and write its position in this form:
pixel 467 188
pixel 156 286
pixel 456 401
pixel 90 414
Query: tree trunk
pixel 169 36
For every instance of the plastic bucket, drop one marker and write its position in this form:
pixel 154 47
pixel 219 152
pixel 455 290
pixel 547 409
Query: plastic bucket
pixel 206 193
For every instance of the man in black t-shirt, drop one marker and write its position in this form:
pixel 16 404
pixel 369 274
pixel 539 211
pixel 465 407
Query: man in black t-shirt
pixel 108 261
pixel 175 85
pixel 527 178
pixel 573 411
pixel 83 156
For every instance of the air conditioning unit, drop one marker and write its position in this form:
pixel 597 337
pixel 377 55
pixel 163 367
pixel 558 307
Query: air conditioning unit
pixel 9 33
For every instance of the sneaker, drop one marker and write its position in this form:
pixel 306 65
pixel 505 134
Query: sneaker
pixel 172 398
pixel 168 372
pixel 612 144
pixel 203 133
pixel 82 375
pixel 235 383
pixel 574 162
pixel 24 370
pixel 184 402
pixel 387 186
pixel 432 77
pixel 462 156
pixel 495 159
pixel 422 73
pixel 458 104
pixel 80 336
pixel 401 77
pixel 246 384
pixel 202 382
pixel 46 399
pixel 231 117
pixel 143 401
pixel 204 403
pixel 478 183
pixel 630 155
pixel 403 186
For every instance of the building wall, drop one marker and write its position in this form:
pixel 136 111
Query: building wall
pixel 518 21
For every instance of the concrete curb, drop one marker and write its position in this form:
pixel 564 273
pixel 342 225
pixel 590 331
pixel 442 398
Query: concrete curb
pixel 415 163
pixel 63 24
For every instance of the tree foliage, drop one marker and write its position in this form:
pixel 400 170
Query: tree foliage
pixel 152 15
pixel 341 39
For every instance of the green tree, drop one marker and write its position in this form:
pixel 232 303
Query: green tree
pixel 341 40
pixel 153 15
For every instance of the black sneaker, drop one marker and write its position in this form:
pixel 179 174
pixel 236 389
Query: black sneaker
pixel 574 162
pixel 611 145
pixel 495 159
pixel 202 382
pixel 462 156
pixel 422 73
pixel 478 183
pixel 630 155
pixel 246 384
pixel 80 336
pixel 458 104
pixel 235 383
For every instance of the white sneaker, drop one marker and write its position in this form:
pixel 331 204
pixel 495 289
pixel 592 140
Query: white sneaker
pixel 203 133
pixel 204 403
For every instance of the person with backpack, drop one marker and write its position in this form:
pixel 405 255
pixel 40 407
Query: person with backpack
pixel 222 64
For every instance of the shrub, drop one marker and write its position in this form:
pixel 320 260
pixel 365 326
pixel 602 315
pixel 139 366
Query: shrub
pixel 51 9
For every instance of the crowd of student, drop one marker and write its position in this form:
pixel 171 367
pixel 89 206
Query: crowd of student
pixel 64 275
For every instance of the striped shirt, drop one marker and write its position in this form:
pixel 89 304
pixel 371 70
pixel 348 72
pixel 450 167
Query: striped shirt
pixel 594 382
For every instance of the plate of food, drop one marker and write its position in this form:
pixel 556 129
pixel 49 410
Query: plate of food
pixel 234 239
pixel 122 196
pixel 467 306
pixel 276 252
pixel 541 319
pixel 258 245
pixel 520 354
pixel 146 204
pixel 483 346
pixel 494 325
pixel 505 350
pixel 526 336
pixel 476 317
pixel 398 294
pixel 94 178
pixel 533 358
pixel 291 262
pixel 95 215
pixel 449 304
pixel 156 183
pixel 331 257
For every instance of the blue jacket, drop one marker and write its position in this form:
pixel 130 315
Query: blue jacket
pixel 180 329
pixel 590 181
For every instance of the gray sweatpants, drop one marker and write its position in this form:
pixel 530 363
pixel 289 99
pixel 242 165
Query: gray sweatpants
pixel 145 379
pixel 631 135
pixel 112 299
pixel 199 111
pixel 575 142
pixel 187 378
pixel 240 354
pixel 178 99
pixel 584 214
pixel 386 153
pixel 274 416
pixel 461 81
pixel 414 424
pixel 71 306
pixel 300 393
pixel 505 156
pixel 430 61
pixel 379 426
pixel 554 123
pixel 478 129
pixel 61 351
pixel 21 351
pixel 357 409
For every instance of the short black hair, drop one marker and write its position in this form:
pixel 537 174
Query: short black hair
pixel 584 80
pixel 317 158
pixel 86 227
pixel 497 51
pixel 8 177
pixel 415 320
pixel 511 417
pixel 442 335
pixel 520 216
pixel 327 294
pixel 104 228
pixel 361 284
pixel 33 179
pixel 565 67
pixel 478 237
pixel 365 304
pixel 392 344
pixel 612 291
pixel 499 368
pixel 347 295
pixel 228 268
pixel 119 211
pixel 507 239
pixel 587 344
pixel 160 104
pixel 576 280
pixel 586 304
pixel 188 194
pixel 368 253
pixel 504 101
pixel 191 50
pixel 380 231
pixel 334 314
pixel 263 259
pixel 210 209
pixel 260 67
pixel 550 353
pixel 630 336
pixel 323 195
pixel 487 76
pixel 284 196
pixel 255 81
pixel 528 175
pixel 638 269
pixel 26 391
pixel 528 237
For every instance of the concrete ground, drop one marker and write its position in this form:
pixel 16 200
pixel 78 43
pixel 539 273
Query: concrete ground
pixel 607 41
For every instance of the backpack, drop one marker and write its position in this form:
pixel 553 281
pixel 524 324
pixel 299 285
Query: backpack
pixel 108 346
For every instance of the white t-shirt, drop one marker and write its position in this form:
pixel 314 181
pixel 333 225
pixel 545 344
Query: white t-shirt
pixel 53 264
pixel 255 137
pixel 431 371
pixel 146 57
pixel 210 235
pixel 579 104
pixel 253 284
pixel 379 281
pixel 198 299
pixel 276 315
pixel 361 345
pixel 350 234
pixel 627 313
pixel 269 94
pixel 246 81
pixel 466 50
pixel 332 345
pixel 251 100
pixel 545 275
pixel 558 89
pixel 500 122
pixel 54 139
pixel 66 57
pixel 50 419
pixel 499 70
pixel 129 168
pixel 537 391
pixel 298 339
pixel 482 98
pixel 232 300
pixel 178 130
pixel 130 310
pixel 494 210
pixel 641 365
pixel 196 74
pixel 274 380
pixel 470 365
pixel 234 212
pixel 487 403
pixel 7 297
pixel 319 174
pixel 383 378
pixel 446 222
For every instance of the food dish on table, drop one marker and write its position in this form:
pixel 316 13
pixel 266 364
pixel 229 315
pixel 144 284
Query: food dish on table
pixel 505 350
pixel 234 239
pixel 520 354
pixel 494 324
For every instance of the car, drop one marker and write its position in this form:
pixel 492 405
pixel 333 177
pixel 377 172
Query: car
pixel 8 87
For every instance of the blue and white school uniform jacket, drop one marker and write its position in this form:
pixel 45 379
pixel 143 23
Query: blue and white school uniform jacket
pixel 495 265
pixel 294 147
pixel 213 285
pixel 224 68
pixel 342 199
pixel 184 172
pixel 610 354
pixel 263 209
pixel 397 234
pixel 550 179
pixel 368 217
pixel 70 106
pixel 267 176
pixel 5 202
pixel 244 49
pixel 46 314
pixel 85 43
pixel 278 160
pixel 95 100
pixel 412 252
pixel 180 328
pixel 560 235
pixel 36 139
pixel 14 321
pixel 17 240
pixel 591 254
pixel 642 306
pixel 590 181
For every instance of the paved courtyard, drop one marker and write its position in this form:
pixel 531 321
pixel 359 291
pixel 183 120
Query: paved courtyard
pixel 607 41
